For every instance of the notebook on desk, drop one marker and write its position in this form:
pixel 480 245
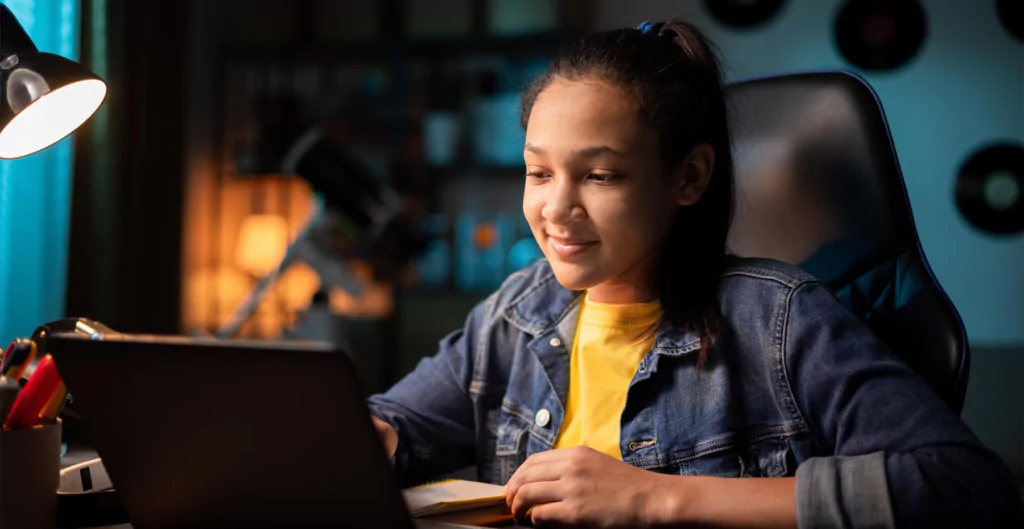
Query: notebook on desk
pixel 205 433
pixel 458 501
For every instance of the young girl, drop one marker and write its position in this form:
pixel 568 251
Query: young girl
pixel 619 382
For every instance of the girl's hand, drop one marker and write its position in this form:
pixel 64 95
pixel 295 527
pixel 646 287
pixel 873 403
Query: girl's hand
pixel 583 487
pixel 388 436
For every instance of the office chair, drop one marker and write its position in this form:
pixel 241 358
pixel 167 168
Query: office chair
pixel 818 185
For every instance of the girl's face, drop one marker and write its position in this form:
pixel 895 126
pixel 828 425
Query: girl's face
pixel 596 197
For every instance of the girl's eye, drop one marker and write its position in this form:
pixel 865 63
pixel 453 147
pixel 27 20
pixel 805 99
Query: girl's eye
pixel 537 175
pixel 603 177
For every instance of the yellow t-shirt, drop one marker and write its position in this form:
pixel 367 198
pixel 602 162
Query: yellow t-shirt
pixel 604 358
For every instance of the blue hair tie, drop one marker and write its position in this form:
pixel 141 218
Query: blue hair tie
pixel 645 27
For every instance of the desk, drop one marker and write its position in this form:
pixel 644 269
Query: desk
pixel 77 455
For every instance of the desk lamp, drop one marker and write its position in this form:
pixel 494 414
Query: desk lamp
pixel 43 97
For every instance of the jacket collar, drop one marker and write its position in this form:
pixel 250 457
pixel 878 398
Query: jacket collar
pixel 547 305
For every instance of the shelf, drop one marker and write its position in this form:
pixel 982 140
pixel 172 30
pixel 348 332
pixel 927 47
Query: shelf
pixel 530 44
pixel 518 45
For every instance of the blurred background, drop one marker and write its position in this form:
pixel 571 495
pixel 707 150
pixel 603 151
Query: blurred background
pixel 219 150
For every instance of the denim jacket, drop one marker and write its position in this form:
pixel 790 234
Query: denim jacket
pixel 797 386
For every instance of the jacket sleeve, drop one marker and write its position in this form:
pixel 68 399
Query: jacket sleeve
pixel 431 410
pixel 901 458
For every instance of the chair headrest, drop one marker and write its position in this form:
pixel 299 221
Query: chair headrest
pixel 814 165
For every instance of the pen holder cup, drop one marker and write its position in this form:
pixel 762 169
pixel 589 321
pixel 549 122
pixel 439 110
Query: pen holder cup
pixel 29 477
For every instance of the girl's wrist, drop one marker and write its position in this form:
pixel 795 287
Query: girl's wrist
pixel 673 500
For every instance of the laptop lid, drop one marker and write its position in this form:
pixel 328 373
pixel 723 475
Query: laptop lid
pixel 208 433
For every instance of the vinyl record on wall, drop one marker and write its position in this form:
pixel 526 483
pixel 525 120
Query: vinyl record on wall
pixel 1011 16
pixel 743 13
pixel 990 189
pixel 880 34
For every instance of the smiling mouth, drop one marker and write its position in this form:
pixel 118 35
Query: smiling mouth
pixel 569 249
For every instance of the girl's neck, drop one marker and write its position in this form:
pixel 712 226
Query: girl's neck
pixel 621 293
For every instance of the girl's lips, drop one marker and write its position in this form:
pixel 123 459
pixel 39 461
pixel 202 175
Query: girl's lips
pixel 567 249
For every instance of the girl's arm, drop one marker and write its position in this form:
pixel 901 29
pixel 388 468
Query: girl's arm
pixel 767 503
pixel 902 457
pixel 430 408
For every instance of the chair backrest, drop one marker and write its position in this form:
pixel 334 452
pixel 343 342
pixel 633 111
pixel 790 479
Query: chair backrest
pixel 818 184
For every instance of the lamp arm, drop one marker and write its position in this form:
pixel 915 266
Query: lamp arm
pixel 252 300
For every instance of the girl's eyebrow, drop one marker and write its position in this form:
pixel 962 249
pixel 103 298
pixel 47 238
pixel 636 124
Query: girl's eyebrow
pixel 589 152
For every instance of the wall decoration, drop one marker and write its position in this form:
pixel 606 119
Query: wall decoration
pixel 990 189
pixel 880 34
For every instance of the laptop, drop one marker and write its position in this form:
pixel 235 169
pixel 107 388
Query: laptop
pixel 212 433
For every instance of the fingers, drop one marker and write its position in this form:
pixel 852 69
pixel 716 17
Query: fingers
pixel 532 494
pixel 543 466
pixel 552 514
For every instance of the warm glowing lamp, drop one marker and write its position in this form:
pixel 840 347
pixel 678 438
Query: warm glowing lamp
pixel 262 243
pixel 43 97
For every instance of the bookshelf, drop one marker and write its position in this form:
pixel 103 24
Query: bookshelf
pixel 412 101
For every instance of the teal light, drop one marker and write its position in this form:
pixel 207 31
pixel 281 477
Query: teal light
pixel 35 195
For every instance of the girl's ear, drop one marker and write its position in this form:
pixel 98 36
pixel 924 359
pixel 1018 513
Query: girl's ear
pixel 694 174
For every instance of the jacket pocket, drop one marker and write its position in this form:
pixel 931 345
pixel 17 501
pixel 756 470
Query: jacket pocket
pixel 510 447
pixel 770 457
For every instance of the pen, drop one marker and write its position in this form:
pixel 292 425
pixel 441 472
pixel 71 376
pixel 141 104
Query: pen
pixel 34 397
pixel 18 357
pixel 8 392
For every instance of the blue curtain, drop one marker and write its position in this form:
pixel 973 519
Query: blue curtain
pixel 35 195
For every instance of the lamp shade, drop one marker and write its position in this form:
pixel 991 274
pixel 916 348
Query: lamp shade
pixel 43 97
pixel 262 243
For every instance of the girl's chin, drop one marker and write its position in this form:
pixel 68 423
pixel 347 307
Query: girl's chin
pixel 574 276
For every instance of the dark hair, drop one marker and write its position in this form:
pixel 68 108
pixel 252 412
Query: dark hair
pixel 673 72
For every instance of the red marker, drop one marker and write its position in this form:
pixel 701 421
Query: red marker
pixel 34 397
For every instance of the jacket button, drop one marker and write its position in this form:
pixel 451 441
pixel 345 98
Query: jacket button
pixel 542 418
pixel 555 342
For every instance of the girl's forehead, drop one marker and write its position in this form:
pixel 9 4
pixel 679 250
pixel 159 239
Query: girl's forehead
pixel 587 91
pixel 586 111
